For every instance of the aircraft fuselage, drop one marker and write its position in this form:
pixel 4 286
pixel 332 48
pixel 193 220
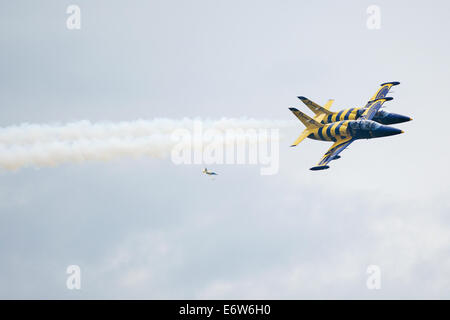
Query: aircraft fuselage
pixel 381 116
pixel 357 129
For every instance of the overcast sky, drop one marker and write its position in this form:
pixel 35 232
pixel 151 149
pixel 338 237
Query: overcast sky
pixel 148 229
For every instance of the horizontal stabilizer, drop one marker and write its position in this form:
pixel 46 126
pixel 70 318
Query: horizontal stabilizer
pixel 305 119
pixel 302 137
pixel 314 107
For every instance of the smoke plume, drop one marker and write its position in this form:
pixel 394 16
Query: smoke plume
pixel 37 145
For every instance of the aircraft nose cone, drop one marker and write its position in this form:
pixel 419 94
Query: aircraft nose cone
pixel 394 118
pixel 384 131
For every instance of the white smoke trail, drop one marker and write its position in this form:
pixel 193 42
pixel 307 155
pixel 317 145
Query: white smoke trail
pixel 33 145
pixel 37 133
pixel 55 153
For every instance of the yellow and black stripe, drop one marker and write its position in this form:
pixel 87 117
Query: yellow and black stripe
pixel 331 132
pixel 346 114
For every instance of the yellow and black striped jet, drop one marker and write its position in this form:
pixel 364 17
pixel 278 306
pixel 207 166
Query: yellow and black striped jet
pixel 324 115
pixel 344 132
pixel 209 173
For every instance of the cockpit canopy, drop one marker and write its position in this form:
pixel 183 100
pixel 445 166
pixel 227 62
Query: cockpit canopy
pixel 381 114
pixel 364 125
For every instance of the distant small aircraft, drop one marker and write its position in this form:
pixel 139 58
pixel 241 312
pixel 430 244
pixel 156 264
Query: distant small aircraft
pixel 210 173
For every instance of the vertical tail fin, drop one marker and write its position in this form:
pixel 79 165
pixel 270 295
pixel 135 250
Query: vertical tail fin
pixel 328 104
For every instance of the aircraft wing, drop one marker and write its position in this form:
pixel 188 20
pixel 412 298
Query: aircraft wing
pixel 373 107
pixel 383 91
pixel 333 153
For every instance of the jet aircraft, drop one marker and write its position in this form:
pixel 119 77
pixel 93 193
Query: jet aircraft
pixel 344 132
pixel 324 115
pixel 205 171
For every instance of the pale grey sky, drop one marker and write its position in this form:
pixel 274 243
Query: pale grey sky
pixel 147 229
